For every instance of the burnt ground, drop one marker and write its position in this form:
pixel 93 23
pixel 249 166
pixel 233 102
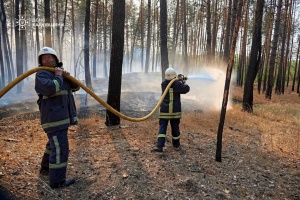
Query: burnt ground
pixel 260 154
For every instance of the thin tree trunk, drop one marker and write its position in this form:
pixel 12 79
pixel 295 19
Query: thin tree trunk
pixel 227 33
pixel 105 13
pixel 87 72
pixel 273 52
pixel 6 47
pixel 19 55
pixel 37 38
pixel 296 65
pixel 227 82
pixel 242 60
pixel 2 71
pixel 95 41
pixel 208 31
pixel 185 42
pixel 148 38
pixel 63 29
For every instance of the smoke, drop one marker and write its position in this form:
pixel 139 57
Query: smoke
pixel 140 91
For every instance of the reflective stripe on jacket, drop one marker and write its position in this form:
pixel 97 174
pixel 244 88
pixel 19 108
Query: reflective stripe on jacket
pixel 171 105
pixel 56 102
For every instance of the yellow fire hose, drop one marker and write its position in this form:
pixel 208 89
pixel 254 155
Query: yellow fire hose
pixel 74 80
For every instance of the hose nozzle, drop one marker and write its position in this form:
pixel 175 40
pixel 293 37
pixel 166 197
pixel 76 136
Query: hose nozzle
pixel 181 77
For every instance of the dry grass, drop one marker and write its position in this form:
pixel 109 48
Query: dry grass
pixel 260 158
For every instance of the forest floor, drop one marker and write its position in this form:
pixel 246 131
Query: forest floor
pixel 260 156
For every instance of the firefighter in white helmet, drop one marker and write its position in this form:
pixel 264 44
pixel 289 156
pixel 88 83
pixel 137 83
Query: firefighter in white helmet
pixel 170 110
pixel 57 113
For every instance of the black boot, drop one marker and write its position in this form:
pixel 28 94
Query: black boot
pixel 157 149
pixel 64 183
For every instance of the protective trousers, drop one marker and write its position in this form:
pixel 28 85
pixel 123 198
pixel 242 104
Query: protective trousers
pixel 163 124
pixel 59 154
pixel 45 159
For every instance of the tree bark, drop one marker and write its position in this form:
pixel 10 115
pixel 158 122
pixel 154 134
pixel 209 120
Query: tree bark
pixel 148 38
pixel 116 60
pixel 163 38
pixel 227 82
pixel 255 57
pixel 47 23
pixel 270 83
pixel 87 72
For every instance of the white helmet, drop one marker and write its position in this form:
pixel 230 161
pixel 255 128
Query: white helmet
pixel 170 73
pixel 46 50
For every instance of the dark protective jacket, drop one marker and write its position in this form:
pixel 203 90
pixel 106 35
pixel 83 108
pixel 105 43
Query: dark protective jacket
pixel 56 101
pixel 171 105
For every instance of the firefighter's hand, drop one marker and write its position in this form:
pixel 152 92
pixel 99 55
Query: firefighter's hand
pixel 58 71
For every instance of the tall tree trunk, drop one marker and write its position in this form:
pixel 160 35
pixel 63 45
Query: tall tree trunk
pixel 95 41
pixel 185 40
pixel 280 74
pixel 242 60
pixel 19 55
pixel 2 71
pixel 227 82
pixel 23 41
pixel 6 46
pixel 296 65
pixel 47 21
pixel 208 31
pixel 173 54
pixel 142 33
pixel 163 38
pixel 255 57
pixel 63 29
pixel 105 13
pixel 74 38
pixel 37 38
pixel 269 18
pixel 116 60
pixel 215 28
pixel 148 38
pixel 227 33
pixel 291 23
pixel 87 72
pixel 57 28
pixel 268 94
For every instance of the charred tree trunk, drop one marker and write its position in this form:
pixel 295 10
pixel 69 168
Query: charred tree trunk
pixel 6 47
pixel 227 82
pixel 163 38
pixel 268 94
pixel 19 55
pixel 208 30
pixel 87 72
pixel 116 60
pixel 47 21
pixel 227 33
pixel 148 38
pixel 95 41
pixel 255 57
pixel 37 38
pixel 185 42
